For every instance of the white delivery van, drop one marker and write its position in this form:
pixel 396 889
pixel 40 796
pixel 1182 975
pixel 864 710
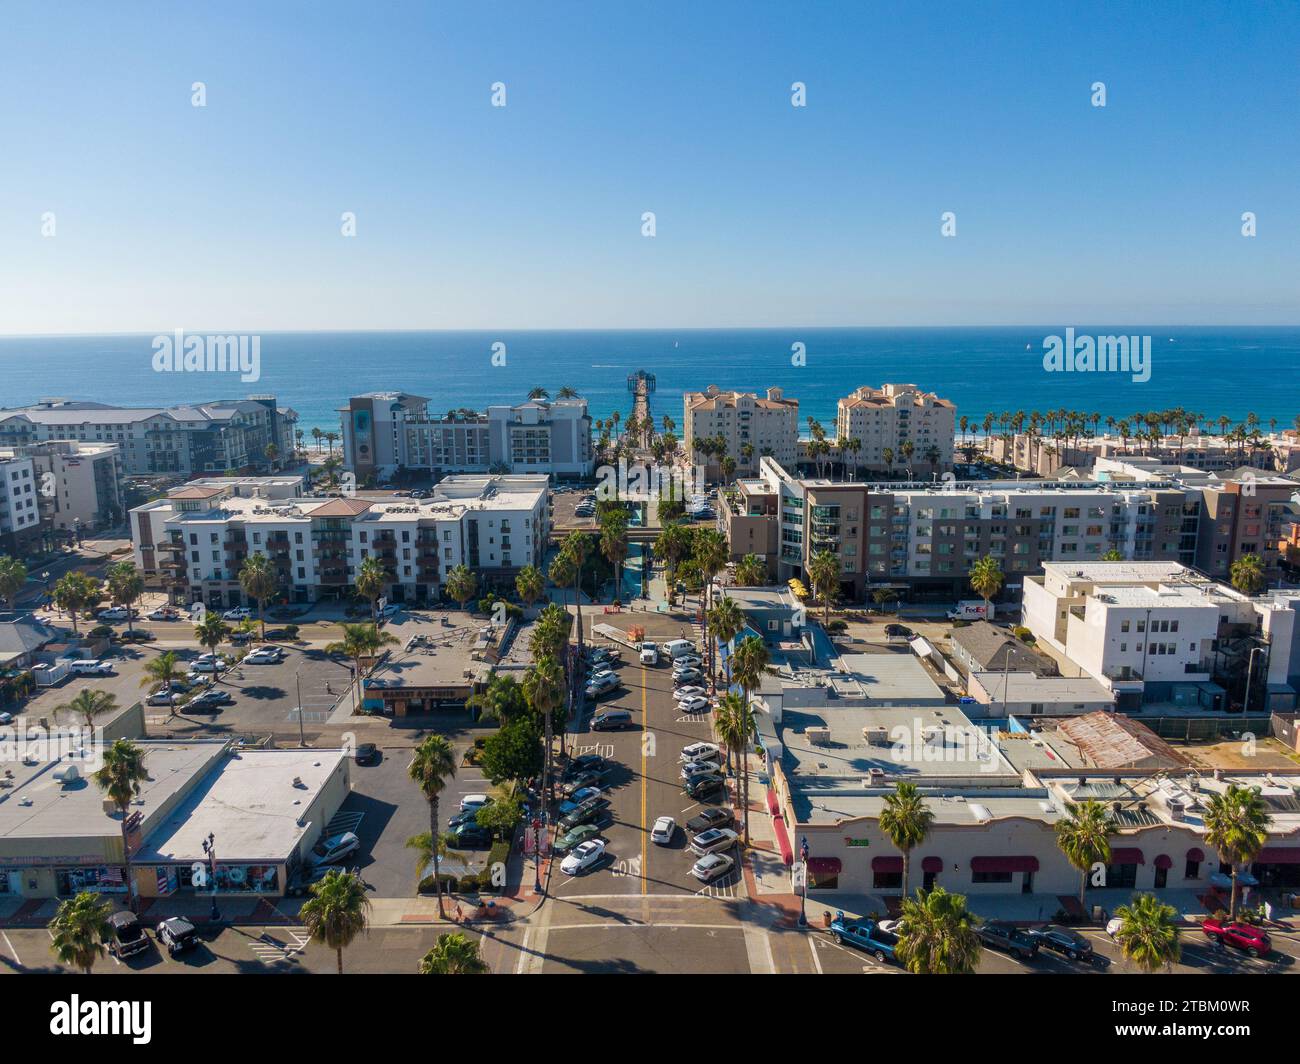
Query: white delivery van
pixel 90 667
pixel 971 610
pixel 678 648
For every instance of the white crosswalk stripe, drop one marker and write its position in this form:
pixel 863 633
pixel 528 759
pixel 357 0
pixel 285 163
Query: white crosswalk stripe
pixel 270 951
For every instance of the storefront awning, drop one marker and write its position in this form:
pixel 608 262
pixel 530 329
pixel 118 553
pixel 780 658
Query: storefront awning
pixel 1004 864
pixel 886 864
pixel 1279 855
pixel 783 841
pixel 1163 861
pixel 773 805
pixel 1126 855
pixel 932 864
pixel 1195 855
pixel 824 866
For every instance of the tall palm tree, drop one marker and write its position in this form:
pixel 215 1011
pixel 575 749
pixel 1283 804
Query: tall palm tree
pixel 1247 574
pixel 73 593
pixel 88 705
pixel 125 586
pixel 613 545
pixel 906 820
pixel 119 778
pixel 726 620
pixel 13 577
pixel 163 670
pixel 1083 835
pixel 937 935
pixel 734 725
pixel 370 582
pixel 530 584
pixel 461 583
pixel 211 632
pixel 1236 824
pixel 710 553
pixel 543 686
pixel 422 845
pixel 360 641
pixel 257 579
pixel 80 931
pixel 748 665
pixel 433 763
pixel 1148 933
pixel 750 571
pixel 824 572
pixel 337 911
pixel 986 579
pixel 454 954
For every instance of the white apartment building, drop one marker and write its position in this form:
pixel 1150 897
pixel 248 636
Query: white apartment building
pixel 181 440
pixel 20 516
pixel 194 541
pixel 886 418
pixel 752 426
pixel 79 484
pixel 387 431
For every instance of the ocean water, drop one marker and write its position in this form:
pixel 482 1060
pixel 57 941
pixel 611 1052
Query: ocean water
pixel 1231 371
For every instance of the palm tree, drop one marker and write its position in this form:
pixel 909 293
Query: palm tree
pixel 613 545
pixel 567 393
pixel 1236 824
pixel 539 393
pixel 530 584
pixel 906 820
pixel 80 931
pixel 986 579
pixel 824 572
pixel 433 763
pixel 726 621
pixel 937 935
pixel 1112 555
pixel 73 593
pixel 360 641
pixel 257 578
pixel 211 632
pixel 461 584
pixel 125 586
pixel 422 845
pixel 119 778
pixel 317 435
pixel 163 670
pixel 337 911
pixel 1083 835
pixel 734 725
pixel 1148 933
pixel 370 581
pixel 710 554
pixel 748 663
pixel 751 571
pixel 543 686
pixel 13 577
pixel 88 705
pixel 1247 574
pixel 454 954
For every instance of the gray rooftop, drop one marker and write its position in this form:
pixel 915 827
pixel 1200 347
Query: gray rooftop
pixel 989 646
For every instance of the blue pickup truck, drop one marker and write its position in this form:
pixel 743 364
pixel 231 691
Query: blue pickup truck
pixel 864 935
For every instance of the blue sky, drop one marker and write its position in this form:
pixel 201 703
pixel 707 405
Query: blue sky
pixel 528 216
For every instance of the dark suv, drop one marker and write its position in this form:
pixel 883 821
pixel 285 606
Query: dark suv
pixel 1000 935
pixel 1062 940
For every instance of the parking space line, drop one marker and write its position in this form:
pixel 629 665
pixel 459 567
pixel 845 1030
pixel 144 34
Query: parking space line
pixel 11 948
pixel 817 961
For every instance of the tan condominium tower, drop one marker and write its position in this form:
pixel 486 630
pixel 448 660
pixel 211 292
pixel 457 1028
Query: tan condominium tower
pixel 751 426
pixel 890 417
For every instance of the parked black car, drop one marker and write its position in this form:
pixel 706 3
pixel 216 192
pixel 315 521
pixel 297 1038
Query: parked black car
pixel 704 785
pixel 472 837
pixel 128 934
pixel 583 763
pixel 1062 940
pixel 1000 935
pixel 710 818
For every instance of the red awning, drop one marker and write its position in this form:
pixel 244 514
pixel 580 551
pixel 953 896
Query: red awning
pixel 773 806
pixel 1004 864
pixel 783 841
pixel 824 866
pixel 1279 855
pixel 1126 855
pixel 932 864
pixel 1195 855
pixel 1163 861
pixel 886 864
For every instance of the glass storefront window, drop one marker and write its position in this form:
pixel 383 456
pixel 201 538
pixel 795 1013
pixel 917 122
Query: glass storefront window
pixel 101 880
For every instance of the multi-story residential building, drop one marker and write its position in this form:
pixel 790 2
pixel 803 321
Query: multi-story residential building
pixel 194 541
pixel 1044 455
pixel 374 431
pixel 890 417
pixel 924 539
pixel 385 432
pixel 20 515
pixel 78 485
pixel 752 427
pixel 182 440
pixel 1161 632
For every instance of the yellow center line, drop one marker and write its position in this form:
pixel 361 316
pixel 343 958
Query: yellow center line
pixel 644 730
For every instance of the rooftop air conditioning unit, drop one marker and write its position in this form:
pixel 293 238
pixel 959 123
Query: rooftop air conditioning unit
pixel 68 773
pixel 818 736
pixel 875 734
pixel 1177 809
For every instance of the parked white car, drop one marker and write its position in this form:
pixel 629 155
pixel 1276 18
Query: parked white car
pixel 114 613
pixel 474 801
pixel 663 831
pixel 712 840
pixel 335 848
pixel 238 613
pixel 264 656
pixel 697 768
pixel 583 856
pixel 682 694
pixel 694 705
pixel 700 752
pixel 711 866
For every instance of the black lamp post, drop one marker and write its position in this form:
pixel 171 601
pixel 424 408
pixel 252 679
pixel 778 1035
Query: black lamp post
pixel 210 848
pixel 539 835
pixel 803 894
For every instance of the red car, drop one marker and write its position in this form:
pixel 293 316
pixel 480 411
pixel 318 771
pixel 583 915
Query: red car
pixel 1240 936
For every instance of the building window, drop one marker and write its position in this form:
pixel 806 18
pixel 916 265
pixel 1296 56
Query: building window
pixel 886 880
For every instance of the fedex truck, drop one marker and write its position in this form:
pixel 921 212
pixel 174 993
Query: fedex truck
pixel 971 610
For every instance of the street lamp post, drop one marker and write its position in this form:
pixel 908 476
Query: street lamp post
pixel 538 836
pixel 297 679
pixel 210 848
pixel 803 894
